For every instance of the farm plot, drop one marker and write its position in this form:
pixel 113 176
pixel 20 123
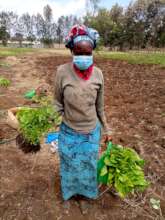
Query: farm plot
pixel 135 110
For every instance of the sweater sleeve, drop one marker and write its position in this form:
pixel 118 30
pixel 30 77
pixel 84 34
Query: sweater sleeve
pixel 58 95
pixel 100 109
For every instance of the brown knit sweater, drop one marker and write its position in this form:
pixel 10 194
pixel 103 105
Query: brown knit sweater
pixel 80 102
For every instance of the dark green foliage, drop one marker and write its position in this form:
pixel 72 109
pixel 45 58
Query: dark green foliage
pixel 142 24
pixel 4 35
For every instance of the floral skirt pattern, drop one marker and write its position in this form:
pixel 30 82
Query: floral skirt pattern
pixel 78 161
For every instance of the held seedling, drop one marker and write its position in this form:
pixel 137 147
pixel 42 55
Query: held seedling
pixel 34 123
pixel 121 168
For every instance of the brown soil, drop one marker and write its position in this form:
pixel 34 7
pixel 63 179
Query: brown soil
pixel 25 146
pixel 135 110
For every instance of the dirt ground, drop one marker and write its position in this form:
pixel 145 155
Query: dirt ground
pixel 135 110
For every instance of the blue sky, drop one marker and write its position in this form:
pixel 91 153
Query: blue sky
pixel 60 7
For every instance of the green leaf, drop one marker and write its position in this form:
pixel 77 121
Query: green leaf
pixel 110 178
pixel 104 171
pixel 107 161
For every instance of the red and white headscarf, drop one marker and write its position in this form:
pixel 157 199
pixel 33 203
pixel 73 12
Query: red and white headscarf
pixel 79 33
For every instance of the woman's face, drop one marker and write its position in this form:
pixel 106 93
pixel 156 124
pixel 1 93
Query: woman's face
pixel 83 48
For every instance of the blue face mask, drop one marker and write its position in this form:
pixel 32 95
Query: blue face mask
pixel 83 62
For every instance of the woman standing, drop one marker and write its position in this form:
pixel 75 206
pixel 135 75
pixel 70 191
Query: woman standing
pixel 79 97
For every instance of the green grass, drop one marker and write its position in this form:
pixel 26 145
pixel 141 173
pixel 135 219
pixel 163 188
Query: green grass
pixel 130 57
pixel 135 58
pixel 5 51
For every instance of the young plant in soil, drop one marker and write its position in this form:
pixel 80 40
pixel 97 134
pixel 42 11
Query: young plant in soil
pixel 33 124
pixel 122 168
pixel 4 82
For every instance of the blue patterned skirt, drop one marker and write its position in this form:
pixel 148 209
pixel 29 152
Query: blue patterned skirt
pixel 78 161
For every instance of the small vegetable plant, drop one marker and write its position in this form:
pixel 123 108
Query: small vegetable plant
pixel 4 82
pixel 122 168
pixel 35 122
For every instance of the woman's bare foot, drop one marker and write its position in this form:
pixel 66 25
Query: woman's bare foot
pixel 83 203
pixel 84 206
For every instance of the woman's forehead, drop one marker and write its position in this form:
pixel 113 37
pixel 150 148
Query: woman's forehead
pixel 83 46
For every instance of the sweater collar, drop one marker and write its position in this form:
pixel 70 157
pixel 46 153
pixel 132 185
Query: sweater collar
pixel 84 74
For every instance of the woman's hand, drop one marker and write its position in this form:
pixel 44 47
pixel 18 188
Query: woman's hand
pixel 107 138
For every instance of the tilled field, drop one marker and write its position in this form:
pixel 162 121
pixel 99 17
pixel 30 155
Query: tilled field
pixel 135 110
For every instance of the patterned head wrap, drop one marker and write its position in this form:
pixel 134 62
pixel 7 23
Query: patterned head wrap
pixel 81 33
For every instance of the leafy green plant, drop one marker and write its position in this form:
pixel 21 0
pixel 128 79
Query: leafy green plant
pixel 43 100
pixel 35 122
pixel 122 168
pixel 4 82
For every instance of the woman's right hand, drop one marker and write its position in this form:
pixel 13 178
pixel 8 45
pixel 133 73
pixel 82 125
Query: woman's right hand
pixel 107 138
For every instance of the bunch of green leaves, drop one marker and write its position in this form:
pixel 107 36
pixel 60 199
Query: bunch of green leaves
pixel 35 122
pixel 42 100
pixel 122 168
pixel 4 82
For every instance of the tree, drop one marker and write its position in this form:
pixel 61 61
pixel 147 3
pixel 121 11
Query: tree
pixel 28 26
pixel 60 29
pixel 101 22
pixel 117 32
pixel 4 35
pixel 4 27
pixel 116 13
pixel 154 22
pixel 19 37
pixel 46 28
pixel 19 31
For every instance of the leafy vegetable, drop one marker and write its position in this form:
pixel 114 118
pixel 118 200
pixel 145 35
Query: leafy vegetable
pixel 34 122
pixel 122 168
pixel 4 82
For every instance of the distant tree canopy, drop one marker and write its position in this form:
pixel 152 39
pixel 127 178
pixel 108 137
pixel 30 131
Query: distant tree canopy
pixel 40 27
pixel 140 25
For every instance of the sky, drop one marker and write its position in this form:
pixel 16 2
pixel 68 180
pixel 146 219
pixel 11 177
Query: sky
pixel 60 7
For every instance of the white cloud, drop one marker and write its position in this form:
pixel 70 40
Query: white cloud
pixel 76 7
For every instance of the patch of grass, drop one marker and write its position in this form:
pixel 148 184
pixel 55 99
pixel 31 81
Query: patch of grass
pixel 135 58
pixel 4 82
pixel 6 51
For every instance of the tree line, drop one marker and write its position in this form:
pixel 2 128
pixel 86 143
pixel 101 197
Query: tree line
pixel 36 27
pixel 140 25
